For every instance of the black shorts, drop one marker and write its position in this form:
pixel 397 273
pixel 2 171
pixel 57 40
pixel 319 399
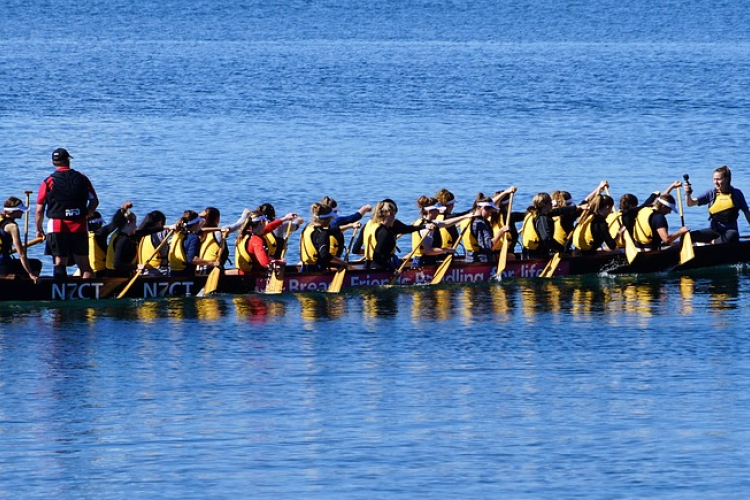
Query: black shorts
pixel 67 244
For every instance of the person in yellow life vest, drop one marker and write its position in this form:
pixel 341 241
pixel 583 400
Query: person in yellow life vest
pixel 99 234
pixel 651 229
pixel 274 240
pixel 593 230
pixel 724 206
pixel 628 211
pixel 250 251
pixel 212 236
pixel 479 239
pixel 565 222
pixel 431 250
pixel 10 240
pixel 152 232
pixel 340 223
pixel 538 230
pixel 447 201
pixel 316 251
pixel 380 233
pixel 184 247
pixel 122 250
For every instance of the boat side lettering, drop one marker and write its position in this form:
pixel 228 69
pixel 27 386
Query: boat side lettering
pixel 72 291
pixel 166 289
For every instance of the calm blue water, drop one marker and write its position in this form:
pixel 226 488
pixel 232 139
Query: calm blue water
pixel 595 388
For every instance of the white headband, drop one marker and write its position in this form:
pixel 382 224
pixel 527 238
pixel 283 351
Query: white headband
pixel 260 218
pixel 326 216
pixel 194 221
pixel 98 220
pixel 487 204
pixel 20 208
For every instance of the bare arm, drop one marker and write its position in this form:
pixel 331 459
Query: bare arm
pixel 16 235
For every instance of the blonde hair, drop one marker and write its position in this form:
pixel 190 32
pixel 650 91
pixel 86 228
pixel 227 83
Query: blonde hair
pixel 538 203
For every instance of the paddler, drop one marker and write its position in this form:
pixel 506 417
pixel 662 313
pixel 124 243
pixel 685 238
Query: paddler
pixel 340 223
pixel 380 234
pixel 250 252
pixel 184 247
pixel 431 249
pixel 10 239
pixel 479 240
pixel 725 203
pixel 538 230
pixel 274 239
pixel 593 231
pixel 651 229
pixel 316 243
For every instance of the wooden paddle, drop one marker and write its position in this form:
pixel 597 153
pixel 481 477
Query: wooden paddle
pixel 443 267
pixel 31 243
pixel 686 252
pixel 503 259
pixel 138 273
pixel 26 219
pixel 276 283
pixel 212 283
pixel 631 251
pixel 338 279
pixel 408 257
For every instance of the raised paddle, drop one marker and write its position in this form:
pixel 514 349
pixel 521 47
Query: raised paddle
pixel 408 257
pixel 503 259
pixel 437 278
pixel 686 252
pixel 26 220
pixel 276 283
pixel 338 279
pixel 156 251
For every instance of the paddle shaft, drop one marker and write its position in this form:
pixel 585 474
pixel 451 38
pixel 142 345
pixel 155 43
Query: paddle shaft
pixel 338 279
pixel 26 219
pixel 679 197
pixel 407 259
pixel 156 251
pixel 503 259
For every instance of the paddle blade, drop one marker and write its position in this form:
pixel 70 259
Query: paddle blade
pixel 338 281
pixel 212 283
pixel 631 251
pixel 441 270
pixel 276 282
pixel 687 253
pixel 551 267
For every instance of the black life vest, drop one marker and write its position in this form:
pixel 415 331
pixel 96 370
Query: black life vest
pixel 68 195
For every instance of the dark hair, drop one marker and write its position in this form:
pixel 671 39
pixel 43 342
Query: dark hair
pixel 725 172
pixel 481 198
pixel 267 210
pixel 628 201
pixel 212 216
pixel 329 202
pixel 444 196
pixel 153 220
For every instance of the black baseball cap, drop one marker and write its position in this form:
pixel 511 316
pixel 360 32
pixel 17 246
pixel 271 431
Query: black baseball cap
pixel 60 154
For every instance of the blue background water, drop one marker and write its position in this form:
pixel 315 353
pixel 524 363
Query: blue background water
pixel 594 388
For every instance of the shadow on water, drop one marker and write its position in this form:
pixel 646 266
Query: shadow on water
pixel 713 290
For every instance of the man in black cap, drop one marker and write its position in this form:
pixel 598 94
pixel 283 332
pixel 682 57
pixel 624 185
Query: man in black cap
pixel 69 198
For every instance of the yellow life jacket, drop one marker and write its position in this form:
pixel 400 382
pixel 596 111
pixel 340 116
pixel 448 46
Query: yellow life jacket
pixel 97 254
pixel 210 248
pixel 721 203
pixel 5 236
pixel 336 248
pixel 446 236
pixel 642 232
pixel 529 237
pixel 496 228
pixel 272 244
pixel 146 249
pixel 614 222
pixel 469 239
pixel 307 252
pixel 242 258
pixel 583 239
pixel 416 237
pixel 177 257
pixel 368 237
pixel 110 261
pixel 560 234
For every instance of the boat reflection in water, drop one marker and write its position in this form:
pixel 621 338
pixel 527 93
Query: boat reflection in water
pixel 631 300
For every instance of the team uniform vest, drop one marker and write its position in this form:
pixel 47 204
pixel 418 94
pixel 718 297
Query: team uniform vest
pixel 496 228
pixel 583 238
pixel 614 222
pixel 307 251
pixel 469 238
pixel 529 236
pixel 337 242
pixel 272 244
pixel 368 236
pixel 97 254
pixel 642 232
pixel 560 234
pixel 416 237
pixel 69 196
pixel 448 235
pixel 110 262
pixel 242 258
pixel 723 209
pixel 210 248
pixel 147 250
pixel 177 256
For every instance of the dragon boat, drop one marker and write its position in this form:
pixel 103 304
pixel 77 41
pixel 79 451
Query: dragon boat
pixel 149 287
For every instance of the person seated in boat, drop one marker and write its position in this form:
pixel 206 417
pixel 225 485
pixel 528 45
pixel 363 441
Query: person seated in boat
pixel 340 223
pixel 431 250
pixel 316 248
pixel 566 221
pixel 593 230
pixel 274 239
pixel 250 250
pixel 479 240
pixel 651 229
pixel 184 247
pixel 380 234
pixel 725 203
pixel 99 234
pixel 10 241
pixel 122 250
pixel 151 262
pixel 501 219
pixel 628 212
pixel 213 246
pixel 538 230
pixel 358 247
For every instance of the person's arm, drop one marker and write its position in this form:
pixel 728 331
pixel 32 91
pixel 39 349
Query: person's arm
pixel 401 228
pixel 501 196
pixel 546 230
pixel 359 243
pixel 600 227
pixel 93 201
pixel 41 200
pixel 257 249
pixel 596 191
pixel 16 236
pixel 125 251
pixel 237 225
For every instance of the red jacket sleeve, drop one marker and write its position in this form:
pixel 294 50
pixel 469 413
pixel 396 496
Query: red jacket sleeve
pixel 258 251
